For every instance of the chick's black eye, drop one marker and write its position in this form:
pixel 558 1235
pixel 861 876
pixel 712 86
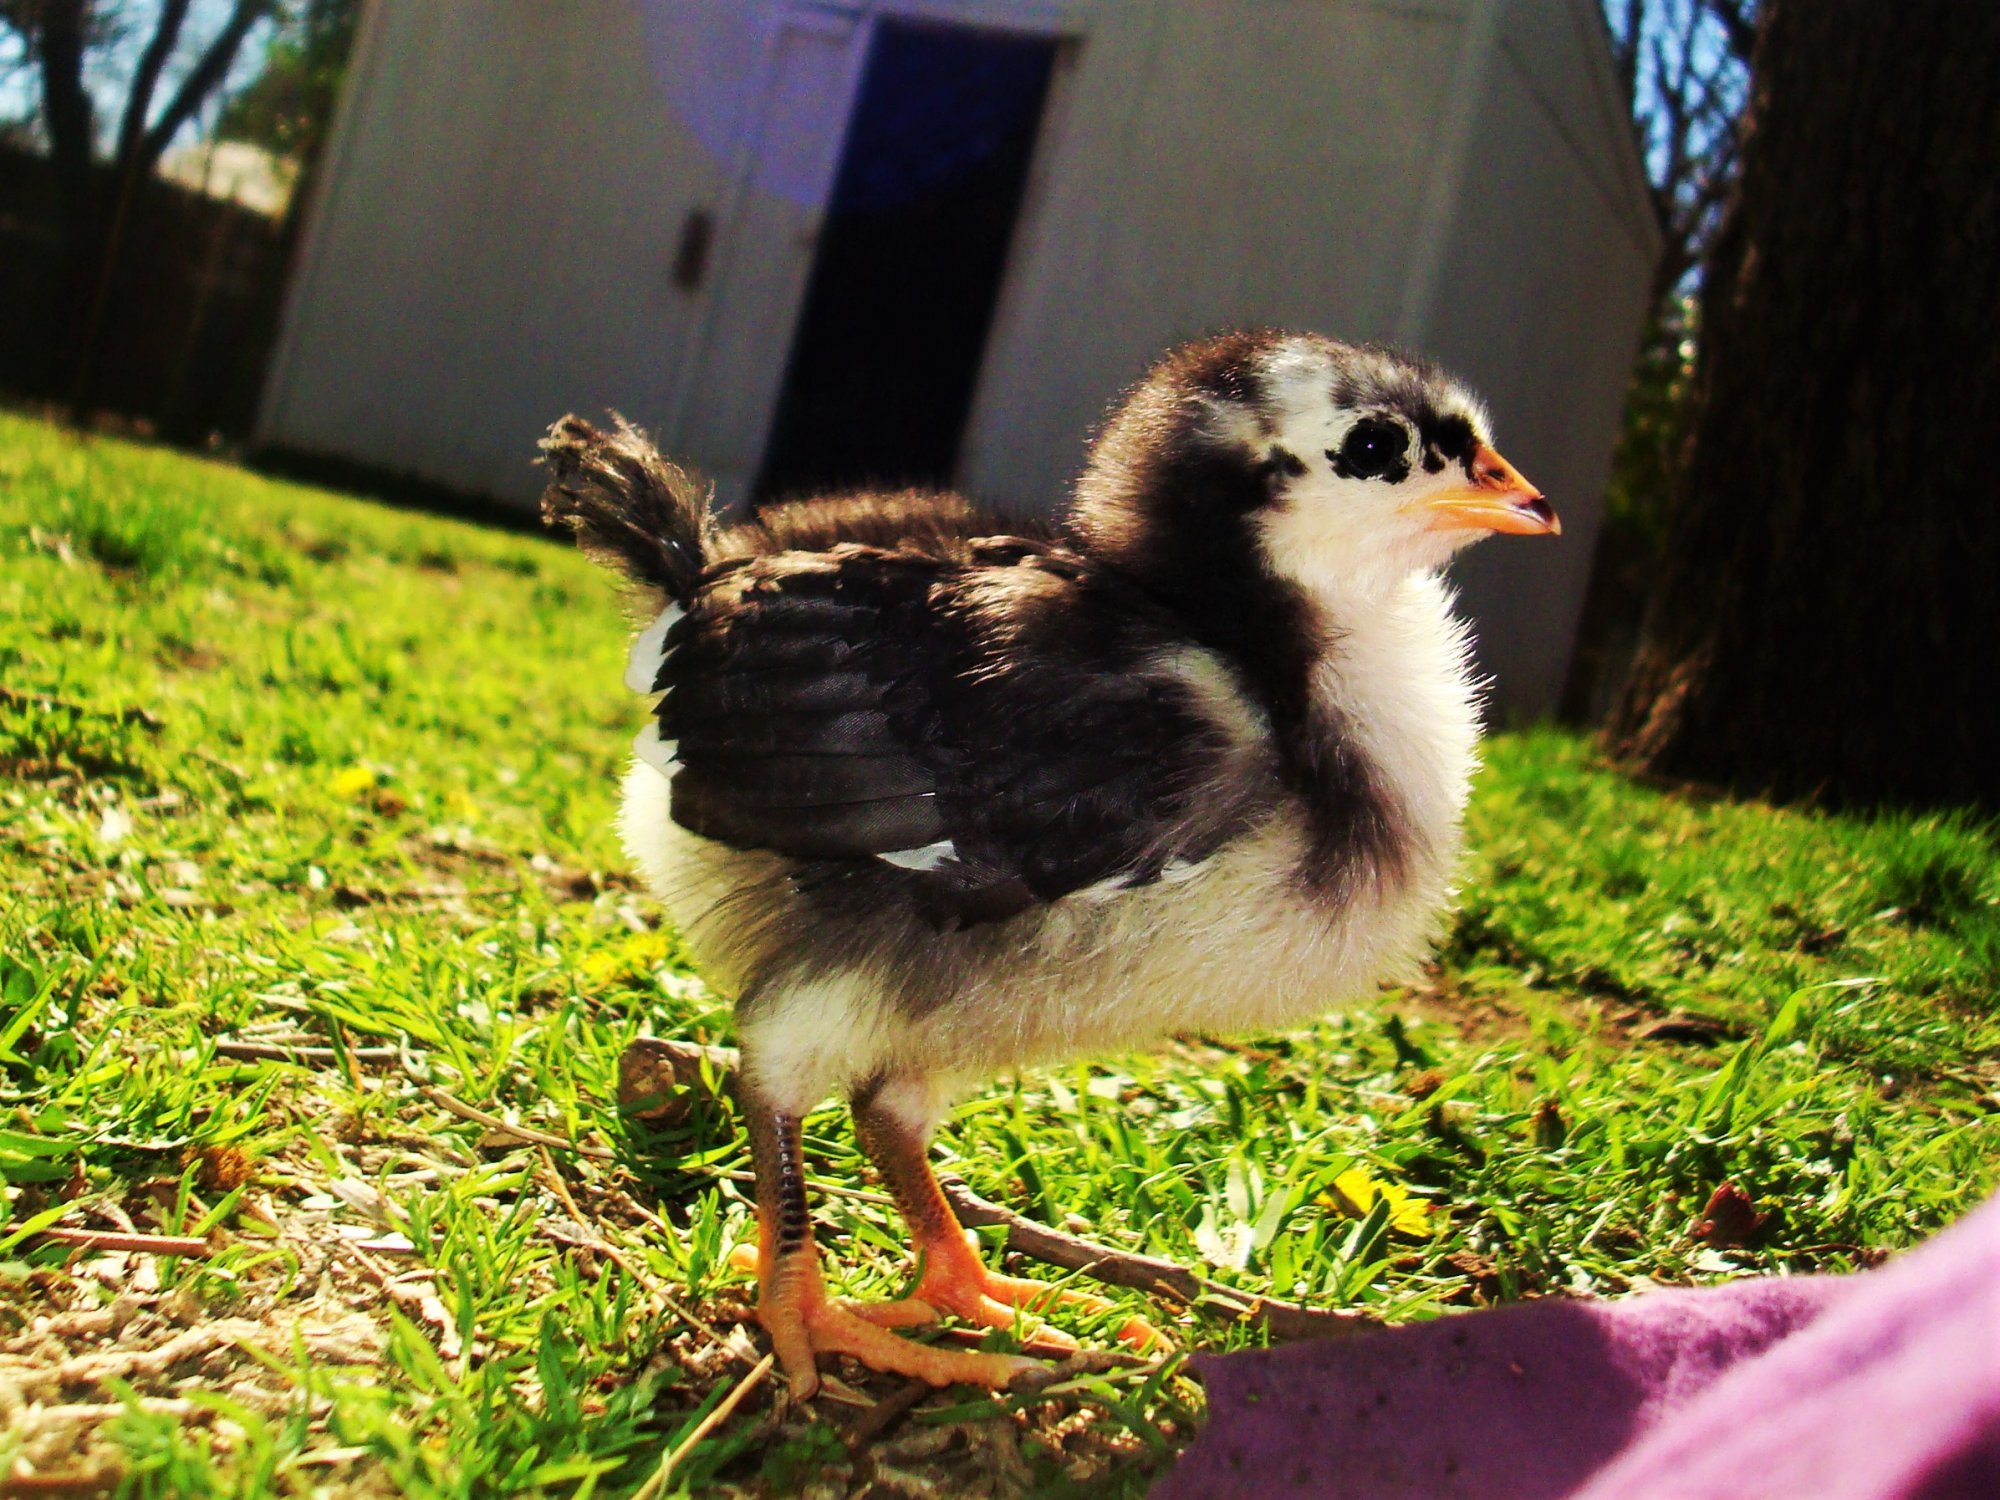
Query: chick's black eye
pixel 1373 449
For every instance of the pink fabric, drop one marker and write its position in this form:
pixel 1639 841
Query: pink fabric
pixel 1879 1386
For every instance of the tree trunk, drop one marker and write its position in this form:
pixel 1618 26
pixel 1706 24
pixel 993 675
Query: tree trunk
pixel 59 43
pixel 1827 619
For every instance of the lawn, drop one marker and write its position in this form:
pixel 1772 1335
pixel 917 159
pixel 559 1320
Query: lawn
pixel 317 950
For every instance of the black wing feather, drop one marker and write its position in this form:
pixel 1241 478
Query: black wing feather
pixel 856 732
pixel 998 695
pixel 765 693
pixel 705 804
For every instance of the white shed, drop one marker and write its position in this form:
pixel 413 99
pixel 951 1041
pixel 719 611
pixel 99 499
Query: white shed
pixel 819 241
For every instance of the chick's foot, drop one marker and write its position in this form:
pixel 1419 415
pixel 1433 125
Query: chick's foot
pixel 962 1287
pixel 804 1323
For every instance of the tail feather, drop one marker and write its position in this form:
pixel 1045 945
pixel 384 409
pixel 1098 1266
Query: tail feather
pixel 630 507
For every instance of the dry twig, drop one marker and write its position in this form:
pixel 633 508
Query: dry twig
pixel 553 1181
pixel 821 1185
pixel 103 1411
pixel 95 1369
pixel 92 1482
pixel 523 1133
pixel 707 1425
pixel 149 1244
pixel 288 1052
pixel 1147 1273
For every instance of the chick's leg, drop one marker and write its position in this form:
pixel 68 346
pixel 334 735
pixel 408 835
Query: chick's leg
pixel 792 1303
pixel 893 1121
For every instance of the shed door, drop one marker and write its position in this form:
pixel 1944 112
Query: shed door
pixel 911 255
pixel 764 241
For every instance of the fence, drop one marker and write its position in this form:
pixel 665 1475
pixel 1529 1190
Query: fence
pixel 186 321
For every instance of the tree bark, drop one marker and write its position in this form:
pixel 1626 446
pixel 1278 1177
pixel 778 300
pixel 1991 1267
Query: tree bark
pixel 58 40
pixel 1828 612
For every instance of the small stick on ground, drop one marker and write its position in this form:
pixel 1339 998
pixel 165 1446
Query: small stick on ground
pixel 19 1486
pixel 523 1133
pixel 105 1411
pixel 147 1244
pixel 94 1369
pixel 283 1052
pixel 821 1185
pixel 708 1424
pixel 553 1181
pixel 1147 1273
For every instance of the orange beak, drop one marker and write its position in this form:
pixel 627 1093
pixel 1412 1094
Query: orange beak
pixel 1498 499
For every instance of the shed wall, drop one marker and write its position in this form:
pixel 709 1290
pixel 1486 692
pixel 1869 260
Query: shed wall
pixel 1538 302
pixel 491 248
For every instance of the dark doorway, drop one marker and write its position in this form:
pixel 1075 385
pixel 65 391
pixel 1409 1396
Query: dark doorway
pixel 915 240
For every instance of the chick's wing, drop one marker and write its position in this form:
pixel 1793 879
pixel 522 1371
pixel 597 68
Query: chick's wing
pixel 994 721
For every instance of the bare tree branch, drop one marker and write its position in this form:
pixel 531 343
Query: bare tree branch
pixel 1739 24
pixel 146 77
pixel 1682 63
pixel 203 79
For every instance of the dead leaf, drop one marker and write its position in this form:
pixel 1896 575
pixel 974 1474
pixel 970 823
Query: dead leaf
pixel 1551 1130
pixel 1730 1219
pixel 1482 1276
pixel 660 1081
pixel 1700 1031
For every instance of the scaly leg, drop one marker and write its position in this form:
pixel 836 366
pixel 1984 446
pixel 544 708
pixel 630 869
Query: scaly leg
pixel 791 1298
pixel 892 1122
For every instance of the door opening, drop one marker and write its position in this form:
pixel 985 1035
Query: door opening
pixel 911 252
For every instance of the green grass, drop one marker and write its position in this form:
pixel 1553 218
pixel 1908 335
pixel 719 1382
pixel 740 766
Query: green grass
pixel 279 766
